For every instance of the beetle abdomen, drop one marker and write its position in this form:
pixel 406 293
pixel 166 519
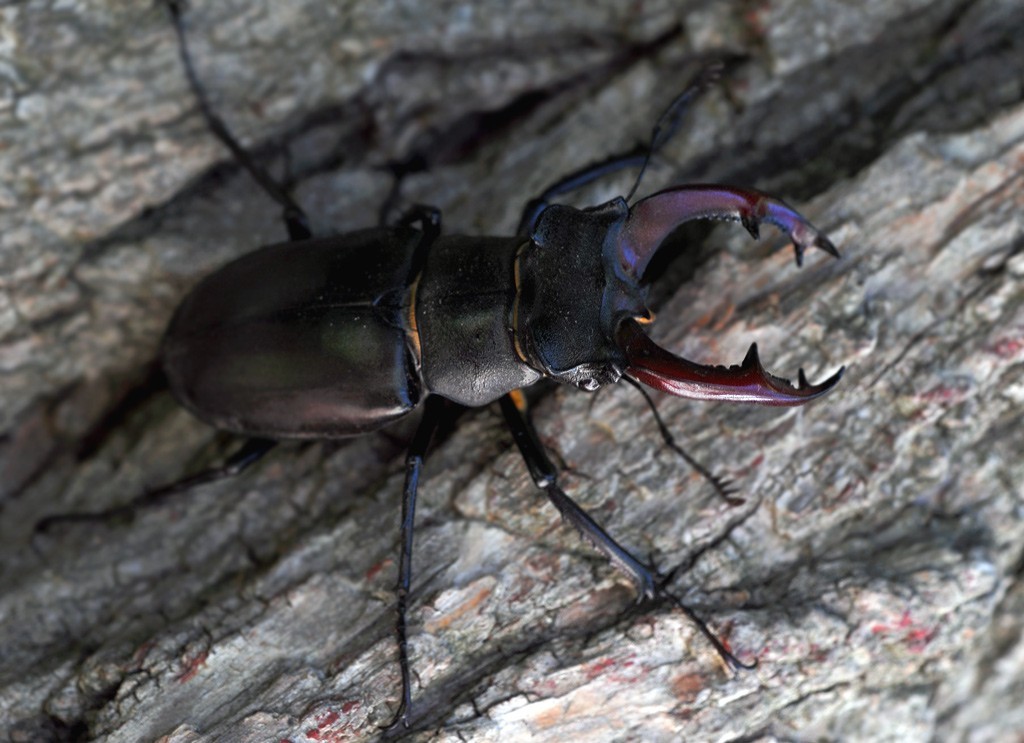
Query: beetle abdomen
pixel 300 340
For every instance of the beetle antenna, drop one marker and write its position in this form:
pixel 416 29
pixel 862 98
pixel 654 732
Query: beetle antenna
pixel 638 157
pixel 723 488
pixel 672 118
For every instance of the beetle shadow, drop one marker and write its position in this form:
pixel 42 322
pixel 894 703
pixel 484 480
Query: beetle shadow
pixel 900 554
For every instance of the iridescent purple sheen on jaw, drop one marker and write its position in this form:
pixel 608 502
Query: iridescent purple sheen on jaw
pixel 652 219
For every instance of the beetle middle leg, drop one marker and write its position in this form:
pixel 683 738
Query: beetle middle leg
pixel 649 583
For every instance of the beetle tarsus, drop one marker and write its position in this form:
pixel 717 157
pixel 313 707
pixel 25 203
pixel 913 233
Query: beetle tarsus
pixel 250 452
pixel 724 653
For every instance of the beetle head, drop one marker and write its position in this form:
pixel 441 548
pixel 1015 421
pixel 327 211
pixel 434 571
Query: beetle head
pixel 580 295
pixel 573 296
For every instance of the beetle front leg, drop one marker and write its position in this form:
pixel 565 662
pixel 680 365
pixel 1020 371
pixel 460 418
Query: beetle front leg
pixel 649 583
pixel 652 219
pixel 665 128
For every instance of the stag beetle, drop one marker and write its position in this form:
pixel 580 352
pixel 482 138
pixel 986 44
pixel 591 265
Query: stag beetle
pixel 327 337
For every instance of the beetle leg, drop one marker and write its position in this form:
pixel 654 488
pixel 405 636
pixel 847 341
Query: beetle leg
pixel 574 180
pixel 652 219
pixel 723 488
pixel 251 452
pixel 413 465
pixel 648 581
pixel 294 217
pixel 664 129
pixel 749 382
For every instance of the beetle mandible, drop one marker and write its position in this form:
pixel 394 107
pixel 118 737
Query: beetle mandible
pixel 282 343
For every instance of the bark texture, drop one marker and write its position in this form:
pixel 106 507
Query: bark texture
pixel 875 569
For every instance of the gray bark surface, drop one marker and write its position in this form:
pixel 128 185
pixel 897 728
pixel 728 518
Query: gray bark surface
pixel 875 568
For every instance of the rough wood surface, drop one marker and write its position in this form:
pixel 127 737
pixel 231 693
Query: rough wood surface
pixel 875 569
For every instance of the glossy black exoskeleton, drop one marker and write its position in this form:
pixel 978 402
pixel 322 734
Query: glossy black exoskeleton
pixel 326 337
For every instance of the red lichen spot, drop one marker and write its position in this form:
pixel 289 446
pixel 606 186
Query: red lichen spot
pixel 615 670
pixel 324 722
pixel 331 727
pixel 597 668
pixel 543 688
pixel 1008 348
pixel 943 395
pixel 191 666
pixel 628 672
pixel 348 707
pixel 919 638
pixel 522 589
pixel 913 634
pixel 327 718
pixel 817 653
pixel 756 21
pixel 142 651
pixel 375 569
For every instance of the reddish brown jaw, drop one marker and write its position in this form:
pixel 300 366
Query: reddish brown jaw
pixel 749 382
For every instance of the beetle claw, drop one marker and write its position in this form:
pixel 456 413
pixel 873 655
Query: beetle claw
pixel 751 226
pixel 747 382
pixel 802 241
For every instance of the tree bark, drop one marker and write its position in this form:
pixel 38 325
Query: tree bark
pixel 874 569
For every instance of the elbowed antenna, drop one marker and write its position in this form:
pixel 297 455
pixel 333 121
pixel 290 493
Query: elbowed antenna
pixel 749 382
pixel 652 219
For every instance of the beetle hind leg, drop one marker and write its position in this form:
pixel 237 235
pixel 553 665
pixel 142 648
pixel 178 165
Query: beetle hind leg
pixel 650 584
pixel 252 451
